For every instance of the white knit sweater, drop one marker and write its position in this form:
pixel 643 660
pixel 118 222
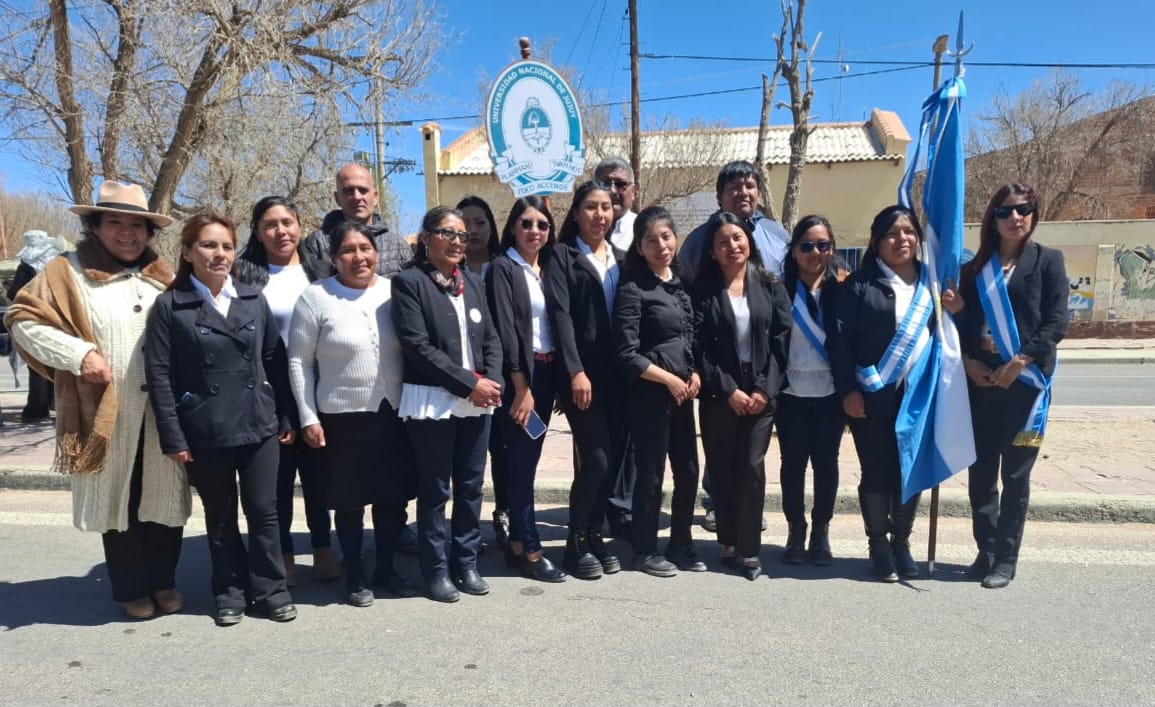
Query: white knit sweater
pixel 343 353
pixel 117 309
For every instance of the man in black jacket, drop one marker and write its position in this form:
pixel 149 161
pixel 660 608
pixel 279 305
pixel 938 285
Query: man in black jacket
pixel 357 196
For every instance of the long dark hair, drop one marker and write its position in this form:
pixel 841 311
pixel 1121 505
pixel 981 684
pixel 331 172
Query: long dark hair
pixel 508 239
pixel 650 216
pixel 989 230
pixel 254 251
pixel 190 232
pixel 569 228
pixel 494 245
pixel 882 222
pixel 708 268
pixel 790 267
pixel 429 222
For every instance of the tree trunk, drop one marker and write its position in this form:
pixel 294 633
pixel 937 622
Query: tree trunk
pixel 768 89
pixel 79 166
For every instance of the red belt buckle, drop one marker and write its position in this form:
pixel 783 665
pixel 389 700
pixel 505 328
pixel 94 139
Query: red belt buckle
pixel 544 357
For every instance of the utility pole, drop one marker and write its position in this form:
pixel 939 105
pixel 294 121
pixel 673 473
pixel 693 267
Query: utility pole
pixel 939 48
pixel 635 95
pixel 379 136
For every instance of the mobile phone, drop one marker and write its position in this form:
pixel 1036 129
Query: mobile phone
pixel 534 427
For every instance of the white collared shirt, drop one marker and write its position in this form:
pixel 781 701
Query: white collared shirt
pixel 623 233
pixel 607 271
pixel 222 301
pixel 542 337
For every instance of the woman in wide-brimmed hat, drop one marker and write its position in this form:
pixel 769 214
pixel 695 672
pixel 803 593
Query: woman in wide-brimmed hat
pixel 81 324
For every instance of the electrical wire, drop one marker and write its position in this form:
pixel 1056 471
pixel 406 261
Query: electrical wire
pixel 880 62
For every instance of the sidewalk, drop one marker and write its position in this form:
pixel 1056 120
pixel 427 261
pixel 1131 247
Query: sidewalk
pixel 1095 465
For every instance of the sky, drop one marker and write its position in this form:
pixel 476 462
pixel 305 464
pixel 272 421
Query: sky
pixel 480 37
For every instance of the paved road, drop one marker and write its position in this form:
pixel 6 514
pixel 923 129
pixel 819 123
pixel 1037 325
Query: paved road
pixel 1105 384
pixel 1075 627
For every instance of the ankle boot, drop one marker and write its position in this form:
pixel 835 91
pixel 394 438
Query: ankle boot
pixel 501 527
pixel 876 518
pixel 795 552
pixel 578 560
pixel 902 523
pixel 597 545
pixel 819 553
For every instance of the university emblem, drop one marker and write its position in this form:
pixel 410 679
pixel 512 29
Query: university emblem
pixel 535 130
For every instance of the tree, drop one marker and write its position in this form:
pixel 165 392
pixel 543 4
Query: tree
pixel 1072 145
pixel 208 101
pixel 20 212
pixel 794 66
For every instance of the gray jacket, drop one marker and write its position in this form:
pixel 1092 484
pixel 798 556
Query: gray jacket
pixel 393 251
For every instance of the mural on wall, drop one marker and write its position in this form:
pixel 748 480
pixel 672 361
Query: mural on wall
pixel 1080 262
pixel 1134 286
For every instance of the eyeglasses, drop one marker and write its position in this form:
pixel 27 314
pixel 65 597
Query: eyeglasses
pixel 811 246
pixel 528 224
pixel 619 184
pixel 448 234
pixel 1002 212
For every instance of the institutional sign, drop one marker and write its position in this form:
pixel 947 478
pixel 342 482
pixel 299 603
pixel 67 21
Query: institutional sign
pixel 535 130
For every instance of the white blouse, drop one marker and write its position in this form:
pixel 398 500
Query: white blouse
pixel 542 336
pixel 807 370
pixel 741 309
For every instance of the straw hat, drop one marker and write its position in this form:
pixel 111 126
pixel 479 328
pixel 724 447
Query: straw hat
pixel 117 198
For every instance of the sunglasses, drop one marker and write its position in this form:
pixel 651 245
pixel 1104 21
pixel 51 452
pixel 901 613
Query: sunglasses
pixel 448 234
pixel 811 246
pixel 1002 212
pixel 619 184
pixel 528 224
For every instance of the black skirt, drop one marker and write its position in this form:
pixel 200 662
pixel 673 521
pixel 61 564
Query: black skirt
pixel 366 459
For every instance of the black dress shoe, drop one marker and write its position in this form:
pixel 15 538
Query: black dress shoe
pixel 229 616
pixel 751 572
pixel 441 589
pixel 395 585
pixel 281 614
pixel 360 597
pixel 981 567
pixel 540 569
pixel 996 580
pixel 470 582
pixel 597 545
pixel 684 558
pixel 655 565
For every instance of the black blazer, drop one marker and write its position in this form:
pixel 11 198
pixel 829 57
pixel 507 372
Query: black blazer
pixel 653 323
pixel 216 381
pixel 865 327
pixel 717 349
pixel 828 304
pixel 427 329
pixel 1039 291
pixel 508 297
pixel 581 322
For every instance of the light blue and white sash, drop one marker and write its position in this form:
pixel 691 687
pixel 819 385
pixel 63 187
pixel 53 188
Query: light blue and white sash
pixel 910 338
pixel 996 304
pixel 814 330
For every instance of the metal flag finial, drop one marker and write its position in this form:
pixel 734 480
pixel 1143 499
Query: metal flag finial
pixel 960 49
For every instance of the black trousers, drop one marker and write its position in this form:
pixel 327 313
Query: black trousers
pixel 525 453
pixel 736 454
pixel 809 430
pixel 622 478
pixel 299 459
pixel 877 447
pixel 599 434
pixel 39 396
pixel 142 559
pixel 449 452
pixel 997 416
pixel 388 519
pixel 239 576
pixel 661 428
pixel 499 466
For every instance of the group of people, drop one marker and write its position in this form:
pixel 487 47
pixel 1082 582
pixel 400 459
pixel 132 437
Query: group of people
pixel 378 371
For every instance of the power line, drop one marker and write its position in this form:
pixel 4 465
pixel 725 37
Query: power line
pixel 880 62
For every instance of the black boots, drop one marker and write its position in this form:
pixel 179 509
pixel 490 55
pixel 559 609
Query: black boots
pixel 819 552
pixel 902 522
pixel 597 545
pixel 579 561
pixel 876 518
pixel 795 552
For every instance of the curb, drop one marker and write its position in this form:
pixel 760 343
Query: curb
pixel 953 503
pixel 1107 357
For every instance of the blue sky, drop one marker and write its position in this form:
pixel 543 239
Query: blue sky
pixel 593 37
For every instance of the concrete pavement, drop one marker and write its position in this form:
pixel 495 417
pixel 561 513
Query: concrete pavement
pixel 1095 464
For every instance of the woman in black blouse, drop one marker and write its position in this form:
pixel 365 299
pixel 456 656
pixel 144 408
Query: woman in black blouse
pixel 581 280
pixel 743 332
pixel 654 325
pixel 517 301
pixel 1007 404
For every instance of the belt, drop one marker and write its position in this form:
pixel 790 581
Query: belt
pixel 545 357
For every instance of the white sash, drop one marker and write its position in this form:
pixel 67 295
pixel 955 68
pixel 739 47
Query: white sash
pixel 910 338
pixel 814 330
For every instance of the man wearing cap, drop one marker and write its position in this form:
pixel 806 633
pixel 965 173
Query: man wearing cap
pixel 357 196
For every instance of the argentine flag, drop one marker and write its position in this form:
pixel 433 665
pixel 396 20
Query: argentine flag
pixel 935 439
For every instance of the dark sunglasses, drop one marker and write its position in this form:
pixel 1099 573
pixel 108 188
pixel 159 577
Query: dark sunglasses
pixel 448 234
pixel 528 224
pixel 1001 212
pixel 811 246
pixel 619 184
